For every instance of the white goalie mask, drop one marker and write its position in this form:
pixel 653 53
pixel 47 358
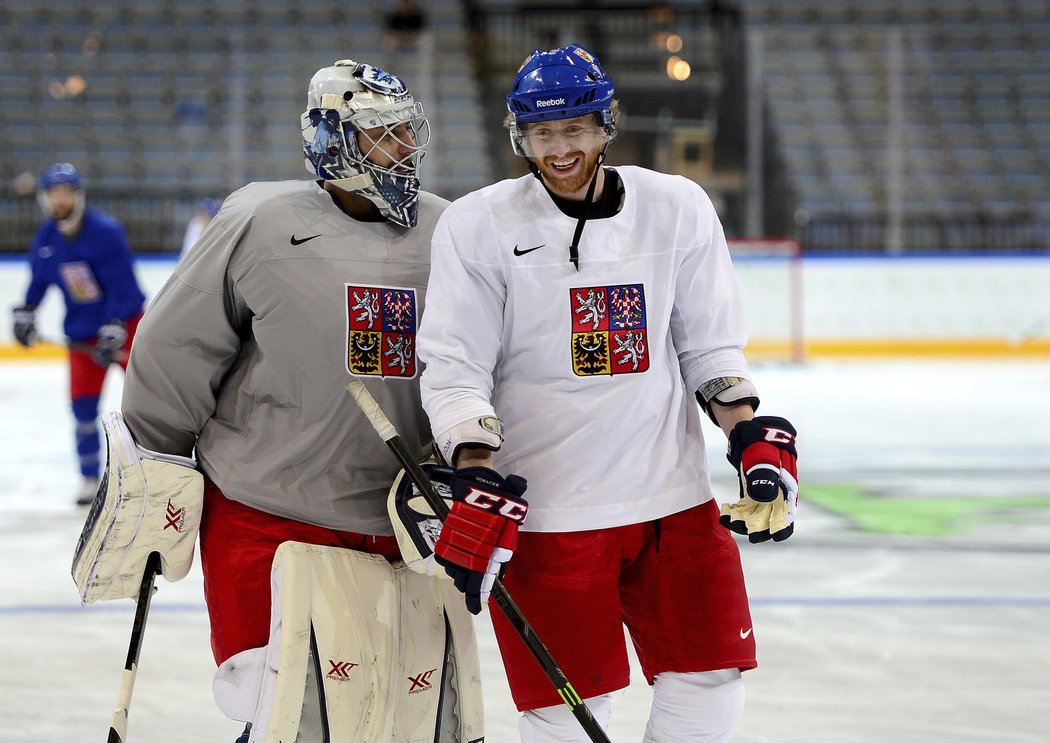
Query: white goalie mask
pixel 364 132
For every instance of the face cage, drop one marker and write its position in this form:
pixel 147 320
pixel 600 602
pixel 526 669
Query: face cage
pixel 419 127
pixel 334 154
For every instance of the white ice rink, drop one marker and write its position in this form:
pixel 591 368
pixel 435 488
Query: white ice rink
pixel 862 637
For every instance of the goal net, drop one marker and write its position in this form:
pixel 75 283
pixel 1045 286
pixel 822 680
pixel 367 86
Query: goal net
pixel 769 270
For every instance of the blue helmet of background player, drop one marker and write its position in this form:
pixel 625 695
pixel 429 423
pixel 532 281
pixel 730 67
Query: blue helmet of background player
pixel 62 174
pixel 348 98
pixel 559 84
pixel 211 206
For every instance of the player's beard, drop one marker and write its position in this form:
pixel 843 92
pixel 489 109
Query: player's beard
pixel 567 186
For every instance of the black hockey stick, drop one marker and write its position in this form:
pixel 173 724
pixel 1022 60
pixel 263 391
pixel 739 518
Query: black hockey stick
pixel 118 729
pixel 82 347
pixel 528 635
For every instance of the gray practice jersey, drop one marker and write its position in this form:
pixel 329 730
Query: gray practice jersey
pixel 245 352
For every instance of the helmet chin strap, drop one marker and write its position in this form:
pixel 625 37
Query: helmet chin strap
pixel 353 183
pixel 574 248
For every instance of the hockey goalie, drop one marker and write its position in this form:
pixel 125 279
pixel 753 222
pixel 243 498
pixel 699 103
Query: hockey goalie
pixel 235 416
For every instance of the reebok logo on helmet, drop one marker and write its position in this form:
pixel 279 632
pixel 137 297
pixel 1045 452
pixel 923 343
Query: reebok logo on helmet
pixel 551 102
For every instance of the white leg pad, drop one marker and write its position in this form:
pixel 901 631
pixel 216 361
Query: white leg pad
pixel 696 707
pixel 558 724
pixel 377 636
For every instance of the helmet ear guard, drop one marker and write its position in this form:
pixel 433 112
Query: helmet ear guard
pixel 349 98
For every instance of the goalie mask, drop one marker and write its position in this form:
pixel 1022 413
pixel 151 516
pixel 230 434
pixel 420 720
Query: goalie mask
pixel 62 174
pixel 351 110
pixel 559 84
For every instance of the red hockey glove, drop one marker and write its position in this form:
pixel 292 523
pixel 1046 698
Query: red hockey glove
pixel 481 531
pixel 763 452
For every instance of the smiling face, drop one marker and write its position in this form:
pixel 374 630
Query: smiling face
pixel 566 153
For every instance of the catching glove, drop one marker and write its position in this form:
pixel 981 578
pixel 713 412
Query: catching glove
pixel 111 339
pixel 481 531
pixel 763 452
pixel 25 324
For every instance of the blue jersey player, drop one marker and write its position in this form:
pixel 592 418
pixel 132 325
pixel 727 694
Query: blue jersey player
pixel 86 254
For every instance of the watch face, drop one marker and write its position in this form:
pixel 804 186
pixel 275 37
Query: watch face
pixel 492 425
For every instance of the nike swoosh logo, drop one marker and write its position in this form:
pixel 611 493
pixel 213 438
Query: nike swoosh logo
pixel 305 239
pixel 528 250
pixel 745 635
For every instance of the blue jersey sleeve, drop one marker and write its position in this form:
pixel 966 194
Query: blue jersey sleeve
pixel 40 279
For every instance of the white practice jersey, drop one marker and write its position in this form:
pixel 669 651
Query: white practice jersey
pixel 593 372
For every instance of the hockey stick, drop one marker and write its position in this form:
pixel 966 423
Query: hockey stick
pixel 118 729
pixel 528 635
pixel 81 347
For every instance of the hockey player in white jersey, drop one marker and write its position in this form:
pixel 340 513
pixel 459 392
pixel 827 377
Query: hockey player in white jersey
pixel 575 318
pixel 318 628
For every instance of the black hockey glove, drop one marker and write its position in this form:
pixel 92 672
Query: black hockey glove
pixel 110 343
pixel 763 452
pixel 25 324
pixel 481 531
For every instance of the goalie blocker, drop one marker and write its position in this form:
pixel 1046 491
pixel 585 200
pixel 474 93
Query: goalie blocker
pixel 147 502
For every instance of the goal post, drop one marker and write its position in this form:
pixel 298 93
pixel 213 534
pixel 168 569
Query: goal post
pixel 769 270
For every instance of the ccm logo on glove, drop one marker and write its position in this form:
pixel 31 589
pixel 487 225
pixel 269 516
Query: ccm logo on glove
pixel 490 502
pixel 480 533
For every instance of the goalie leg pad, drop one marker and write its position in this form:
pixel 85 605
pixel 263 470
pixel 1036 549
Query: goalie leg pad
pixel 147 502
pixel 379 644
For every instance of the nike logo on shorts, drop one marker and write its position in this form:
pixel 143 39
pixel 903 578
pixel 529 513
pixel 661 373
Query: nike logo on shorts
pixel 528 250
pixel 296 241
pixel 744 635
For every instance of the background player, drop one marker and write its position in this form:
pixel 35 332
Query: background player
pixel 86 254
pixel 590 346
pixel 206 211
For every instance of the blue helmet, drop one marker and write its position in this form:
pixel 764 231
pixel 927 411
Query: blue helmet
pixel 60 173
pixel 210 206
pixel 560 84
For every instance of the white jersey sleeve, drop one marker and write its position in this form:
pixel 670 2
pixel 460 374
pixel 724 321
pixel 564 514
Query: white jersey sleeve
pixel 463 326
pixel 707 322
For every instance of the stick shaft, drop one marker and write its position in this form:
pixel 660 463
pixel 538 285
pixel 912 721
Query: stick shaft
pixel 503 600
pixel 118 730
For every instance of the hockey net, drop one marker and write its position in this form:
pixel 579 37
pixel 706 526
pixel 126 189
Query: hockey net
pixel 769 270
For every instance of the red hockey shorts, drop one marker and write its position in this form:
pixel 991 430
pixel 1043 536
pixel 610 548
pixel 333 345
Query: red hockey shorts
pixel 237 548
pixel 676 583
